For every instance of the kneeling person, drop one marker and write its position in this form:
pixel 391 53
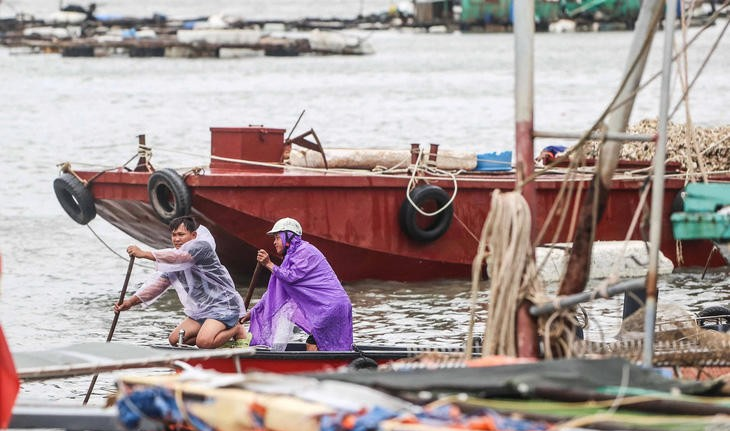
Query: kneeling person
pixel 212 304
pixel 303 291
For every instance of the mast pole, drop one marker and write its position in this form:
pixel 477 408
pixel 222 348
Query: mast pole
pixel 619 119
pixel 524 31
pixel 657 191
pixel 594 203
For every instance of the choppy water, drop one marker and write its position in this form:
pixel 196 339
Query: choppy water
pixel 59 281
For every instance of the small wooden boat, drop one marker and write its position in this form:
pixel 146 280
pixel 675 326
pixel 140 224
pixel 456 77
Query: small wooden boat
pixel 295 359
pixel 96 357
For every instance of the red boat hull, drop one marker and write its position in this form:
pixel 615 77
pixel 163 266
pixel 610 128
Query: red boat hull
pixel 296 360
pixel 353 217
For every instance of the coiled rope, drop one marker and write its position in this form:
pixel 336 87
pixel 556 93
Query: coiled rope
pixel 513 272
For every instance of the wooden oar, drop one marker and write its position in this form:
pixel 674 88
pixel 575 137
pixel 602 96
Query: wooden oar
pixel 114 323
pixel 249 292
pixel 707 264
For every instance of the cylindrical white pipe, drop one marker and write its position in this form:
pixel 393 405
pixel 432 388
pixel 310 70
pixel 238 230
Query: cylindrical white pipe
pixel 657 192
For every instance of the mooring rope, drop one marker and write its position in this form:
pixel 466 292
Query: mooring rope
pixel 513 272
pixel 104 243
pixel 422 167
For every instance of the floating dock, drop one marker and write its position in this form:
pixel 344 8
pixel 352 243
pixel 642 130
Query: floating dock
pixel 201 44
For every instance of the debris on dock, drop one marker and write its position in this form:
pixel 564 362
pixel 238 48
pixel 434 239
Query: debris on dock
pixel 70 42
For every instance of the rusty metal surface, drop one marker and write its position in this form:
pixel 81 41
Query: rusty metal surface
pixel 352 219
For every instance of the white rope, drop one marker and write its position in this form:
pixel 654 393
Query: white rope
pixel 683 77
pixel 513 272
pixel 419 167
pixel 396 168
pixel 508 181
pixel 126 259
pixel 587 176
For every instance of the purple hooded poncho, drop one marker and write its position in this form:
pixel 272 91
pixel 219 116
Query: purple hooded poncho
pixel 304 291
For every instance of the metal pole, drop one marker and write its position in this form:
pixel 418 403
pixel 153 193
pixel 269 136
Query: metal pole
pixel 594 204
pixel 573 300
pixel 645 28
pixel 524 31
pixel 657 192
pixel 616 136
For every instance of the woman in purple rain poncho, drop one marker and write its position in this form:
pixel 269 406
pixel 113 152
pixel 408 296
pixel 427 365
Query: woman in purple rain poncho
pixel 303 291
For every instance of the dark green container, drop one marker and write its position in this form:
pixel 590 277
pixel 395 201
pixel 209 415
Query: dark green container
pixel 706 197
pixel 500 12
pixel 701 226
pixel 703 216
pixel 625 11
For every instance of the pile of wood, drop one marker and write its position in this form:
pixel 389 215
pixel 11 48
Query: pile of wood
pixel 710 144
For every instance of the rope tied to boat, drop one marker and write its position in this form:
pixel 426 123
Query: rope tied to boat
pixel 195 170
pixel 65 168
pixel 422 166
pixel 505 240
pixel 144 154
pixel 144 151
pixel 399 167
pixel 513 272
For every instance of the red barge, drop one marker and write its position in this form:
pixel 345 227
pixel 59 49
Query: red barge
pixel 360 219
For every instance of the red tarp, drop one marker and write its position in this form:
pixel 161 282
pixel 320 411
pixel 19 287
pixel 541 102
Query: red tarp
pixel 9 383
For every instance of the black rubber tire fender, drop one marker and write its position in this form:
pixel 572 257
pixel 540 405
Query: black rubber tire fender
pixel 714 311
pixel 362 363
pixel 408 215
pixel 169 196
pixel 75 198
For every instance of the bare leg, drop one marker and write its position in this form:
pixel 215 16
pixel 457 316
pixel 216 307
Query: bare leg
pixel 311 344
pixel 242 333
pixel 191 328
pixel 214 334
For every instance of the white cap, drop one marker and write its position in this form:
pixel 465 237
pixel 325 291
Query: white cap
pixel 286 224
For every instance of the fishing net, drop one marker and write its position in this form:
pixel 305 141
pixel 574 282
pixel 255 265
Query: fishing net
pixel 680 341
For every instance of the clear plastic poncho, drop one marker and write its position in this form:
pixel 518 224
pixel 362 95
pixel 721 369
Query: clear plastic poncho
pixel 202 283
pixel 303 291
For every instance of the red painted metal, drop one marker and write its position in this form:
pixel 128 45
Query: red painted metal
pixel 296 360
pixel 352 218
pixel 526 163
pixel 282 366
pixel 258 144
pixel 527 335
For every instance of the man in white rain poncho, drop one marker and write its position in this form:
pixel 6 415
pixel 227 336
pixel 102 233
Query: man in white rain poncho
pixel 209 297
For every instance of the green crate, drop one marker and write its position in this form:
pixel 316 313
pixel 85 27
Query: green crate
pixel 706 197
pixel 708 225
